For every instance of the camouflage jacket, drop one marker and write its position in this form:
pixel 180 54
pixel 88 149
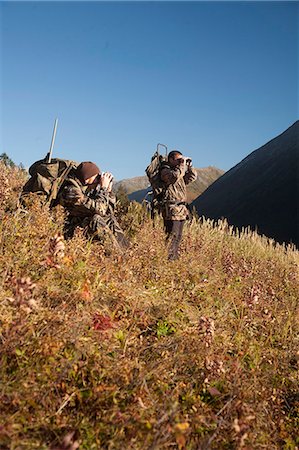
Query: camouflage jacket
pixel 79 201
pixel 175 181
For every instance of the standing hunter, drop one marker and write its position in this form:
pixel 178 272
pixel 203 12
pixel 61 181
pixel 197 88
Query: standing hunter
pixel 87 196
pixel 175 173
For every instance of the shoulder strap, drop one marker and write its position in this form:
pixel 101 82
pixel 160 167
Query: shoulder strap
pixel 58 183
pixel 164 165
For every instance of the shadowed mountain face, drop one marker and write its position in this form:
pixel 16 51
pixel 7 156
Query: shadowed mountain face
pixel 138 187
pixel 262 191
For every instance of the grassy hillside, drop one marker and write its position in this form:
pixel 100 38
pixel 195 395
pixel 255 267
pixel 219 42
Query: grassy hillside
pixel 107 351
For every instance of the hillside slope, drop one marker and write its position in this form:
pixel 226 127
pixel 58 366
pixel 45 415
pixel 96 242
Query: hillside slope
pixel 262 191
pixel 130 351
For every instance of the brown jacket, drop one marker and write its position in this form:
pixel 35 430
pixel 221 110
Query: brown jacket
pixel 175 194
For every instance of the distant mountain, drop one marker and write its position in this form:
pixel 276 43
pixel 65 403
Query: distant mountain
pixel 130 185
pixel 137 187
pixel 262 191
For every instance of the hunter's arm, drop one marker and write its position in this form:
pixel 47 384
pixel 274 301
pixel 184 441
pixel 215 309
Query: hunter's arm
pixel 99 205
pixel 190 175
pixel 73 198
pixel 172 175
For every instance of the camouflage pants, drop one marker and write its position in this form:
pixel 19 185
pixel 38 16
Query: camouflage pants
pixel 97 227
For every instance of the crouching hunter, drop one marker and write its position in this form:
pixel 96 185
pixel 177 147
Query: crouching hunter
pixel 175 174
pixel 87 196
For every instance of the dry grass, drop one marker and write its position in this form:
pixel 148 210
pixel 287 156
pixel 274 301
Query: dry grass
pixel 110 351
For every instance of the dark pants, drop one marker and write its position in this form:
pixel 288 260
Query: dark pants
pixel 174 233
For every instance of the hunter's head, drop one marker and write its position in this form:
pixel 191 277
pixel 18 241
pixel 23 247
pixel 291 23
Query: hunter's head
pixel 88 172
pixel 175 158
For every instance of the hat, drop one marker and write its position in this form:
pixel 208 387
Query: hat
pixel 86 170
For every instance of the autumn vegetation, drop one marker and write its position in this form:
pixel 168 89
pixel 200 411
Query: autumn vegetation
pixel 104 350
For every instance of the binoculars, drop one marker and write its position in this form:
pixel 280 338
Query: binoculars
pixel 187 160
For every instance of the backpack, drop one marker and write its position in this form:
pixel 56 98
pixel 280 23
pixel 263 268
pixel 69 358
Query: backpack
pixel 153 173
pixel 47 177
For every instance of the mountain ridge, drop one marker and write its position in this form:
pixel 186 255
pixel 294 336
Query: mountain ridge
pixel 261 191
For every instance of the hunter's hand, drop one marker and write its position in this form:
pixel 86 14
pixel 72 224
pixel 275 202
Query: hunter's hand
pixel 72 195
pixel 79 197
pixel 181 162
pixel 106 181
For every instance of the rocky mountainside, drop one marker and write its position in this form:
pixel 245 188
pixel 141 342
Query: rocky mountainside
pixel 137 187
pixel 262 191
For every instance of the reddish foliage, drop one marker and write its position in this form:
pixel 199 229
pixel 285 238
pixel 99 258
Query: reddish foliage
pixel 102 322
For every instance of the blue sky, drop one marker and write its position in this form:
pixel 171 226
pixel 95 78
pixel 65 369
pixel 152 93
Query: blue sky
pixel 214 79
